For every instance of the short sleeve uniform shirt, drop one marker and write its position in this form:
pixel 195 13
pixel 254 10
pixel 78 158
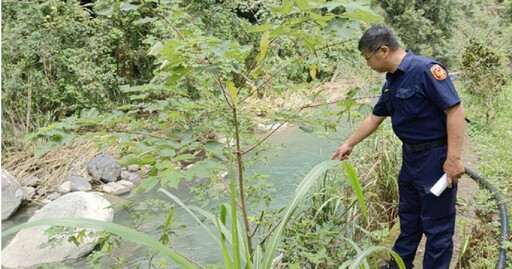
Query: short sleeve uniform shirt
pixel 416 96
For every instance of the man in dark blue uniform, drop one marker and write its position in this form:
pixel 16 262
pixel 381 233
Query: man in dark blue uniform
pixel 427 116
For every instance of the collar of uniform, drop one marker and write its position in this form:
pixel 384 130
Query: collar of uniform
pixel 404 64
pixel 406 61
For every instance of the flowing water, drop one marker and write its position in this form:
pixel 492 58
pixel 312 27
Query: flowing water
pixel 301 151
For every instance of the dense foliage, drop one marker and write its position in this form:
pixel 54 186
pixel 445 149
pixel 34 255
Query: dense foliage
pixel 58 59
pixel 425 27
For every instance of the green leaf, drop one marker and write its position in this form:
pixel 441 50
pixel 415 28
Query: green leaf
pixel 215 148
pixel 362 14
pixel 167 152
pixel 204 169
pixel 157 47
pixel 225 252
pixel 284 9
pixel 313 71
pixel 146 185
pixel 233 93
pixel 144 20
pixel 171 177
pixel 46 147
pixel 122 137
pixel 358 249
pixel 321 18
pixel 163 164
pixel 310 43
pixel 129 160
pixel 303 4
pixel 368 251
pixel 127 7
pixel 147 159
pixel 264 44
pixel 234 225
pixel 279 31
pixel 105 11
pixel 122 231
pixel 182 157
pixel 261 28
pixel 356 186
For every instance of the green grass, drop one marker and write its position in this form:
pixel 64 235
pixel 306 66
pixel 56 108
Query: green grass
pixel 493 145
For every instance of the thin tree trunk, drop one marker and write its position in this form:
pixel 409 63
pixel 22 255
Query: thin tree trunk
pixel 241 181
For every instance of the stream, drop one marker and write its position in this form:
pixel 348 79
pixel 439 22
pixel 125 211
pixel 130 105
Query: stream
pixel 301 151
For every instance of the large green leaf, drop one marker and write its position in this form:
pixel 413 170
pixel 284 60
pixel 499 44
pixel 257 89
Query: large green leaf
pixel 356 186
pixel 122 231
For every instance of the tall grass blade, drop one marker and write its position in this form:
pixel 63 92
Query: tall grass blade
pixel 362 255
pixel 234 225
pixel 122 231
pixel 258 256
pixel 358 249
pixel 300 193
pixel 356 186
pixel 225 253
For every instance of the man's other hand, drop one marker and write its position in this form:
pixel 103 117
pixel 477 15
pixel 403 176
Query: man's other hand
pixel 454 168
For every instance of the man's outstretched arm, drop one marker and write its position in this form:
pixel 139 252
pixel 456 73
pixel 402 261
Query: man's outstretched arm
pixel 366 128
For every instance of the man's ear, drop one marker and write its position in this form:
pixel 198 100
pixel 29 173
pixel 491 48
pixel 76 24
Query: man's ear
pixel 385 50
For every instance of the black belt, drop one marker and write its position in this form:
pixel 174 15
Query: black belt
pixel 426 146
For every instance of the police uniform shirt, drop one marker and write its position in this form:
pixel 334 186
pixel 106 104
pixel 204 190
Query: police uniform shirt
pixel 416 96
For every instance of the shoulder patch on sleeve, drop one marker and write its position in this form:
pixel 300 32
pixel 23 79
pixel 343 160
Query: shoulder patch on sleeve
pixel 438 72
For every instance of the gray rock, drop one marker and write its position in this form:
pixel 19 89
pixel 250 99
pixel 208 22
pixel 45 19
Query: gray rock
pixel 147 168
pixel 261 127
pixel 30 180
pixel 28 192
pixel 24 250
pixel 80 184
pixel 82 178
pixel 11 195
pixel 65 187
pixel 104 168
pixel 132 177
pixel 133 167
pixel 41 190
pixel 118 188
pixel 53 196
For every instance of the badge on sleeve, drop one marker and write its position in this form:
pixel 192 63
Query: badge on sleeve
pixel 438 72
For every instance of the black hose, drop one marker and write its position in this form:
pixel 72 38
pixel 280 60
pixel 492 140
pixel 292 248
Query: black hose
pixel 503 215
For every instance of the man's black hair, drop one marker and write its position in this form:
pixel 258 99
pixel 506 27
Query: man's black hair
pixel 377 36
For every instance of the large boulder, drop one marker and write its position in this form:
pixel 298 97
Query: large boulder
pixel 12 195
pixel 24 250
pixel 104 168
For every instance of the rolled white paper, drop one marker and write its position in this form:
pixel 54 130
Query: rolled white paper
pixel 440 186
